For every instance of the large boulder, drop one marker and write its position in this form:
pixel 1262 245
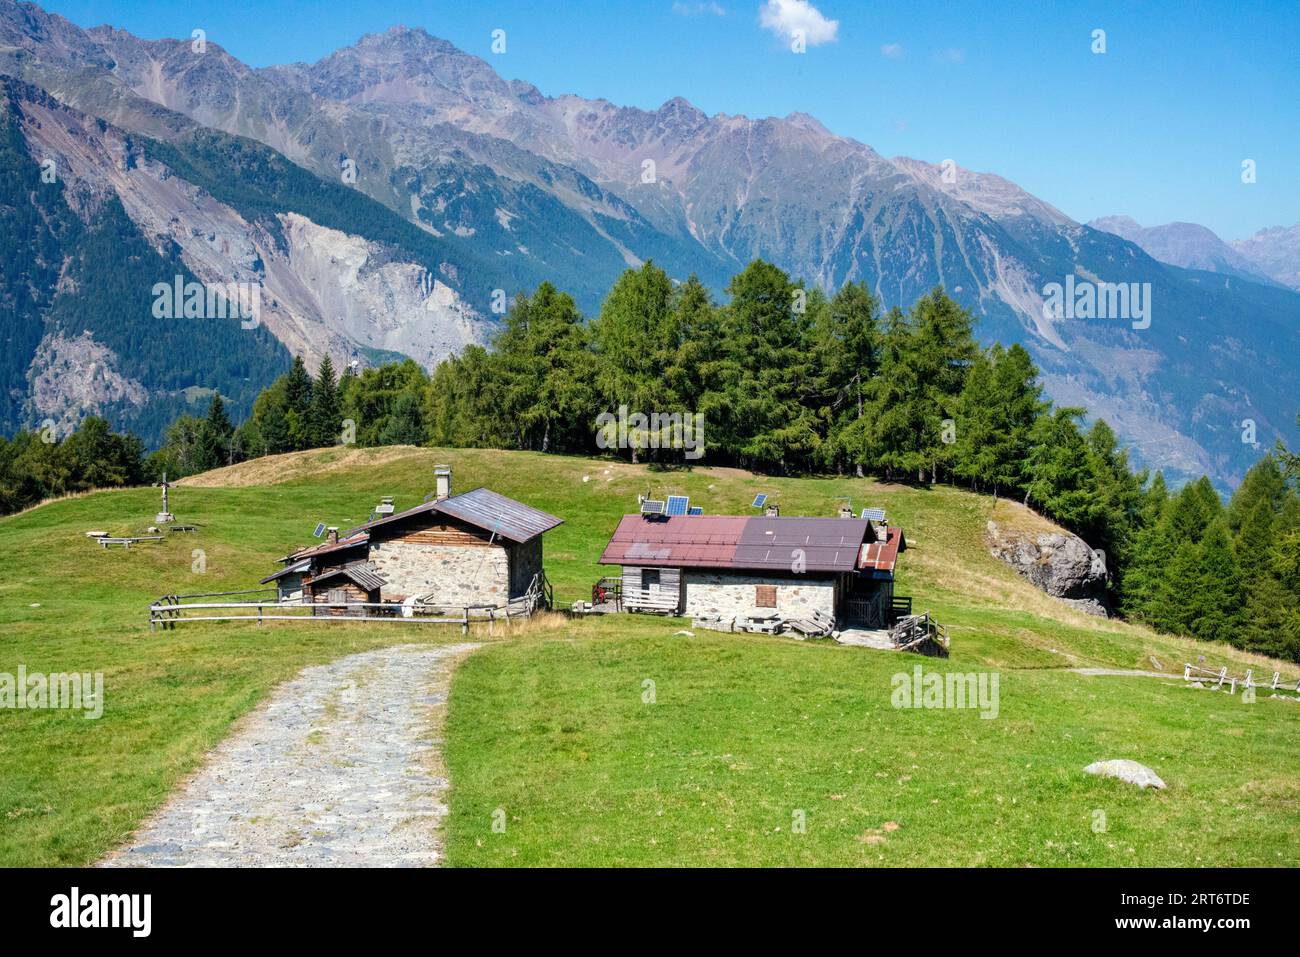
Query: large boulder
pixel 1059 563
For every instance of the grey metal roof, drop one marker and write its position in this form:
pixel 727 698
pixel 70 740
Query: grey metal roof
pixel 288 570
pixel 362 573
pixel 494 512
pixel 814 544
pixel 482 508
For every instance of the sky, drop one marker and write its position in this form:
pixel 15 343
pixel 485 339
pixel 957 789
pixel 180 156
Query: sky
pixel 1157 127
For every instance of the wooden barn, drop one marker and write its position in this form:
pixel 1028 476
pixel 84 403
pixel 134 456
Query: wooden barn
pixel 478 548
pixel 726 566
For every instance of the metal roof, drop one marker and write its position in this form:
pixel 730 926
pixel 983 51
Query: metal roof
pixel 351 540
pixel 361 573
pixel 882 556
pixel 494 512
pixel 741 542
pixel 700 541
pixel 482 508
pixel 290 569
pixel 814 544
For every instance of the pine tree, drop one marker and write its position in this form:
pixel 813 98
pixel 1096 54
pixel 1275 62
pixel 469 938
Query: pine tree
pixel 1057 468
pixel 214 436
pixel 297 404
pixel 636 339
pixel 759 405
pixel 405 425
pixel 323 418
pixel 845 337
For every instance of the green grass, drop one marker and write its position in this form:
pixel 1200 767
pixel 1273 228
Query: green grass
pixel 550 724
pixel 745 731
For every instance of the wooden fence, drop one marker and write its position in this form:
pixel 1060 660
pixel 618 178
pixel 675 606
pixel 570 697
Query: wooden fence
pixel 650 599
pixel 170 610
pixel 1217 679
pixel 921 634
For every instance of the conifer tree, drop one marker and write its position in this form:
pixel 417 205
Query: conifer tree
pixel 297 403
pixel 323 417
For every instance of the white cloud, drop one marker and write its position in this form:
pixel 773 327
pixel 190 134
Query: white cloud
pixel 892 50
pixel 951 55
pixel 791 18
pixel 696 9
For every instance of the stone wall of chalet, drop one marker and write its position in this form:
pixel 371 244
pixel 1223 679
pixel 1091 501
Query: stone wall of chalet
pixel 730 594
pixel 452 574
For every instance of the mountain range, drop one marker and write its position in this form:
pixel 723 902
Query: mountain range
pixel 1271 255
pixel 390 197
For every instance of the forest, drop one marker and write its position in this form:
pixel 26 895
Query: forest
pixel 788 381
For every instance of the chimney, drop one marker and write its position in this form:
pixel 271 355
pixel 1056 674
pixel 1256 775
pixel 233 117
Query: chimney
pixel 442 474
pixel 846 511
pixel 333 535
pixel 773 511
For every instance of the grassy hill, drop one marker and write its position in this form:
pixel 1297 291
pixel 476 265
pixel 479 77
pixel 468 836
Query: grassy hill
pixel 549 722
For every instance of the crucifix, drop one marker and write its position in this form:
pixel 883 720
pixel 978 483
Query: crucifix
pixel 164 515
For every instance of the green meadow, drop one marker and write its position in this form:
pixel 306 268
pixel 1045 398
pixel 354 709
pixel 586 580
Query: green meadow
pixel 618 740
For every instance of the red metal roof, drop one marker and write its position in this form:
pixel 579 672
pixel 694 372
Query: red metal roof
pixel 688 541
pixel 741 542
pixel 881 556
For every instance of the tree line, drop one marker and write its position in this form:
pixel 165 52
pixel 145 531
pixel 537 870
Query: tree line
pixel 790 380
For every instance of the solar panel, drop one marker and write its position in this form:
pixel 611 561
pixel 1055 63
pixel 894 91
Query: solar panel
pixel 875 514
pixel 695 510
pixel 759 500
pixel 677 505
pixel 652 507
pixel 320 530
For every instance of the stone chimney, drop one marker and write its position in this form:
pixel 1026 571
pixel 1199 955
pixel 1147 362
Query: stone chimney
pixel 442 475
pixel 846 511
pixel 333 538
pixel 773 511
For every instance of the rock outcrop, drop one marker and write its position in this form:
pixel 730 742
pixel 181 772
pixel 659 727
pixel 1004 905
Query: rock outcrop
pixel 1059 563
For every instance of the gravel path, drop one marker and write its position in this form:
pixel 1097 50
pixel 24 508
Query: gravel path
pixel 337 769
pixel 1125 673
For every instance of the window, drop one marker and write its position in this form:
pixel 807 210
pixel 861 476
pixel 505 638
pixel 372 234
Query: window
pixel 765 596
pixel 650 579
pixel 338 596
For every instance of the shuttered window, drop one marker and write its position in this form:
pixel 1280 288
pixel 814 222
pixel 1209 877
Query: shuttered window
pixel 765 596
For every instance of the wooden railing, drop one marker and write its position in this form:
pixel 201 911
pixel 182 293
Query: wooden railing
pixel 608 590
pixel 649 599
pixel 169 610
pixel 921 634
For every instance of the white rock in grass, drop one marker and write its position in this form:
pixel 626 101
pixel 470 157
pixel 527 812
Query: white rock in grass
pixel 1126 770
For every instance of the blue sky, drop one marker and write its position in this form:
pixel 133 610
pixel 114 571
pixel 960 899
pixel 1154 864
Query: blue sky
pixel 1156 127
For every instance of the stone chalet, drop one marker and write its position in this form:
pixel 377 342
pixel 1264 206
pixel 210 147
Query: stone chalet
pixel 725 566
pixel 477 548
